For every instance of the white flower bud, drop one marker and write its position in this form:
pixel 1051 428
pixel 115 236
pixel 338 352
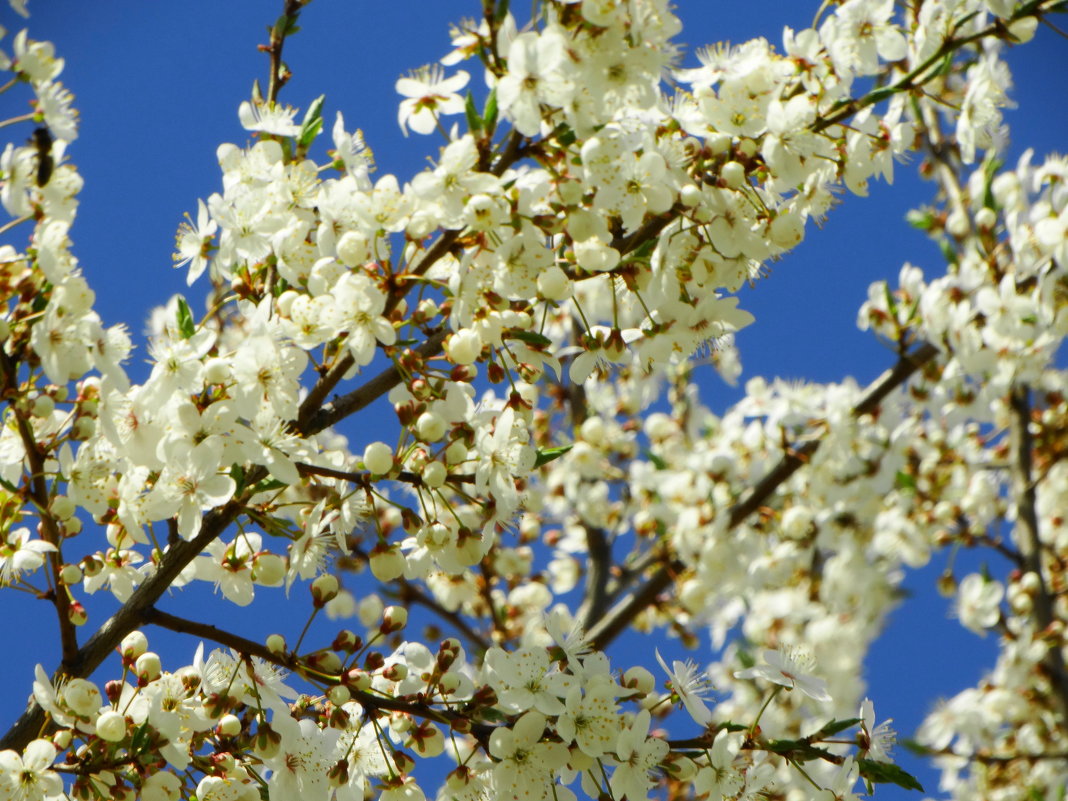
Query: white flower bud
pixel 387 563
pixel 133 645
pixel 148 667
pixel 434 474
pixel 464 346
pixel 378 458
pixel 70 574
pixel 430 427
pixel 43 406
pixel 733 174
pixel 276 644
pixel 339 694
pixel 229 725
pixel 640 679
pixel 63 507
pixel 111 726
pixel 394 618
pixel 324 588
pixel 268 569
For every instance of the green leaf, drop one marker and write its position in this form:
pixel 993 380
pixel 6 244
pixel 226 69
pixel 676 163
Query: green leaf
pixel 186 325
pixel 474 122
pixel 905 481
pixel 237 473
pixel 530 337
pixel 489 113
pixel 832 728
pixel 885 773
pixel 141 738
pixel 922 219
pixel 546 455
pixel 502 12
pixel 657 462
pixel 267 485
pixel 313 122
pixel 797 750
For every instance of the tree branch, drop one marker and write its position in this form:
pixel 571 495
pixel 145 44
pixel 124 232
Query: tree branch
pixel 1021 442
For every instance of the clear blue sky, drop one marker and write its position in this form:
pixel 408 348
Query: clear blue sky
pixel 158 85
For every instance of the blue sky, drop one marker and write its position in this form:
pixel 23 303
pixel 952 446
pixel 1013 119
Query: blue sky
pixel 158 86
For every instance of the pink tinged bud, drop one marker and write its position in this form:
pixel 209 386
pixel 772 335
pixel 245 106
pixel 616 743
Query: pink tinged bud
pixel 229 725
pixel 357 680
pixel 394 618
pixel 76 614
pixel 396 672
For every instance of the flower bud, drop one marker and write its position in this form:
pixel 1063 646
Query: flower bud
pixel 147 667
pixel 323 589
pixel 266 742
pixel 553 283
pixel 394 618
pixel 387 562
pixel 217 371
pixel 434 474
pixel 464 347
pixel 398 671
pixel 357 680
pixel 76 614
pixel 70 574
pixel 111 726
pixel 276 644
pixel 403 762
pixel 639 679
pixel 339 694
pixel 378 458
pixel 62 739
pixel 133 645
pixel 229 725
pixel 732 174
pixel 430 427
pixel 268 569
pixel 62 507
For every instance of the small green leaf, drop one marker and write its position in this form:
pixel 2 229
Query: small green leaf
pixel 237 473
pixel 886 773
pixel 186 325
pixel 657 462
pixel 502 12
pixel 267 485
pixel 921 219
pixel 489 113
pixel 474 122
pixel 546 455
pixel 530 337
pixel 313 122
pixel 141 738
pixel 905 481
pixel 832 728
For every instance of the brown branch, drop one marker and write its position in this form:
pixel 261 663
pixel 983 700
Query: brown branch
pixel 107 638
pixel 619 617
pixel 38 493
pixel 281 28
pixel 315 418
pixel 410 593
pixel 289 661
pixel 1021 442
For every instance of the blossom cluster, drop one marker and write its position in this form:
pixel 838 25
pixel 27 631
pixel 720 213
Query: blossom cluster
pixel 528 305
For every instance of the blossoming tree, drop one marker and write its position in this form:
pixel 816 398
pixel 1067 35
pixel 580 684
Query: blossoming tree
pixel 527 306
